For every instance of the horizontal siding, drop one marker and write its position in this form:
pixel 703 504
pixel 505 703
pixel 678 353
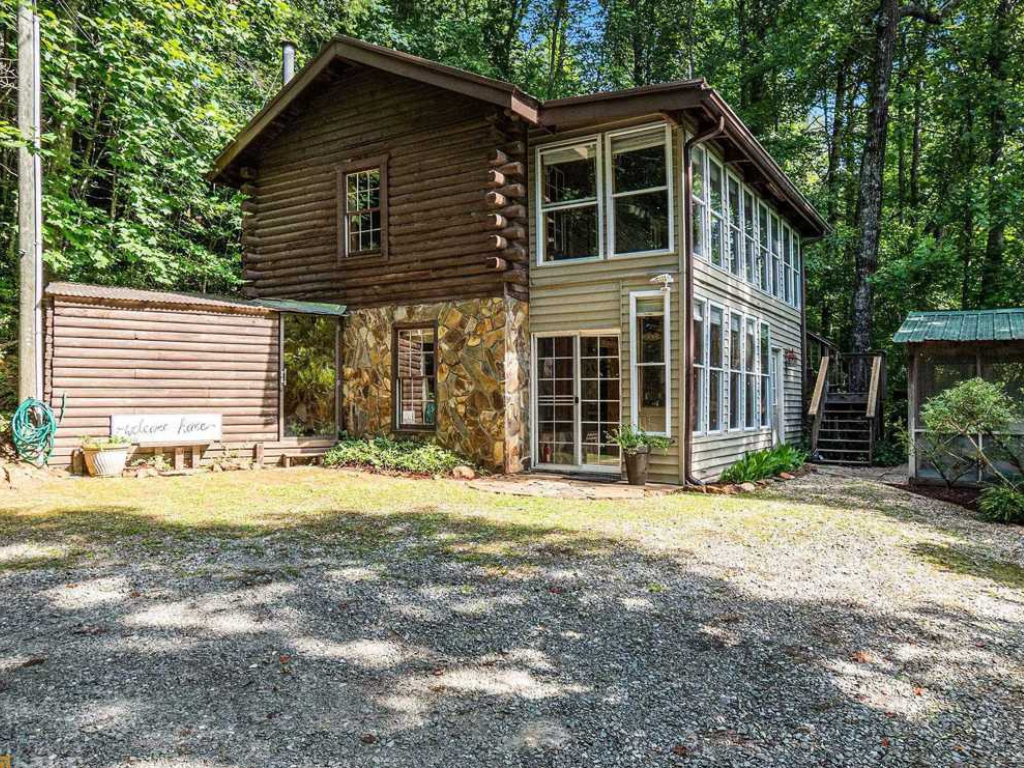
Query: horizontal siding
pixel 714 453
pixel 111 359
pixel 586 307
pixel 438 145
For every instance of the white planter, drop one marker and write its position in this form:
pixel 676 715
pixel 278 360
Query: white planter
pixel 108 463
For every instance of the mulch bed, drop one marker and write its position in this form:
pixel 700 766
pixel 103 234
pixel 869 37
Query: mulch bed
pixel 962 497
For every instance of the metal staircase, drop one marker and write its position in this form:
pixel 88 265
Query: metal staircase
pixel 846 408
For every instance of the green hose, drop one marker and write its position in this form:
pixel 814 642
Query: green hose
pixel 34 428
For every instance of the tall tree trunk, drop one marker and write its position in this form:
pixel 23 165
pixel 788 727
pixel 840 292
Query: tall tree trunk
pixel 995 245
pixel 556 57
pixel 836 140
pixel 869 199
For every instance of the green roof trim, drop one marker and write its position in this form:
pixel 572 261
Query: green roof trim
pixel 301 307
pixel 962 327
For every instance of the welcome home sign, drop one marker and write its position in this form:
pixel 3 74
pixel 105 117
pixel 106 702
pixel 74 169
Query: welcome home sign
pixel 168 428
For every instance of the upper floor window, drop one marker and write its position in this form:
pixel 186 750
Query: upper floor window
pixel 716 195
pixel 750 232
pixel 735 227
pixel 639 180
pixel 570 202
pixel 362 194
pixel 699 192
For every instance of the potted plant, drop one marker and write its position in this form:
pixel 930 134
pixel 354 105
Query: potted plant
pixel 106 456
pixel 636 445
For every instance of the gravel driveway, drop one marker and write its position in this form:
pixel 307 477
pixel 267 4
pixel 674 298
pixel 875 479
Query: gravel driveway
pixel 845 624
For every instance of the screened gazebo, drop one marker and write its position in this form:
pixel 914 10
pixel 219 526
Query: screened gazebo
pixel 946 348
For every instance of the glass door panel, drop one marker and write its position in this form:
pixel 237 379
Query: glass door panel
pixel 556 400
pixel 599 399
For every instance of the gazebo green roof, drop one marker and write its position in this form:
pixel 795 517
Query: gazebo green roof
pixel 962 327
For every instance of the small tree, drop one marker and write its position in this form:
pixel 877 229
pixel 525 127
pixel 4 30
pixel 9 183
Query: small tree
pixel 979 413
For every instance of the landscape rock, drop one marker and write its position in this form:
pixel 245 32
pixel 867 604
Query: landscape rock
pixel 747 487
pixel 462 472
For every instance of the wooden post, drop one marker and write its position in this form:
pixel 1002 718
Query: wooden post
pixel 257 454
pixel 179 458
pixel 30 242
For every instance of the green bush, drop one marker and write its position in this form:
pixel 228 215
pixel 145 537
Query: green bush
pixel 630 438
pixel 385 453
pixel 112 443
pixel 767 463
pixel 890 452
pixel 1002 504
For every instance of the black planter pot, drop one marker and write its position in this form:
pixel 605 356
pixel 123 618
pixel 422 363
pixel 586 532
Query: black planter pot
pixel 636 466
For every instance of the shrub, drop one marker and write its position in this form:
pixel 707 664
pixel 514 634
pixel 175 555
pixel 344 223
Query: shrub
pixel 1002 504
pixel 630 438
pixel 965 426
pixel 767 463
pixel 385 453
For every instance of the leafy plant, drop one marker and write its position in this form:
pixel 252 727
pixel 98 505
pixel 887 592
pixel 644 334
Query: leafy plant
pixel 630 439
pixel 384 453
pixel 112 443
pixel 1002 504
pixel 891 451
pixel 965 427
pixel 767 463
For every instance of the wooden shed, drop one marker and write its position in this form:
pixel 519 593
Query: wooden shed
pixel 193 376
pixel 946 348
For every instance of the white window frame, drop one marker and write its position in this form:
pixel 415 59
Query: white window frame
pixel 703 202
pixel 750 244
pixel 722 217
pixel 737 231
pixel 540 229
pixel 730 314
pixel 634 419
pixel 722 369
pixel 700 424
pixel 798 278
pixel 766 424
pixel 752 375
pixel 611 196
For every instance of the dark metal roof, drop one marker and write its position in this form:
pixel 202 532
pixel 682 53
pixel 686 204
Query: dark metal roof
pixel 556 114
pixel 196 300
pixel 967 326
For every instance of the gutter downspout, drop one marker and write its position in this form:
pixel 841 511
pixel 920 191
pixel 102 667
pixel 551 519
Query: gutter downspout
pixel 686 439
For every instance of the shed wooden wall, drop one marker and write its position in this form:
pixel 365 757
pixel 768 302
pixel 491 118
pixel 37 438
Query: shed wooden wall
pixel 111 357
pixel 441 227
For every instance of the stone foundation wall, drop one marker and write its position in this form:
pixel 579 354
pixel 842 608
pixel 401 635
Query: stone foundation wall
pixel 482 375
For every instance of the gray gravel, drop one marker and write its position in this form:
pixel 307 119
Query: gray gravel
pixel 841 645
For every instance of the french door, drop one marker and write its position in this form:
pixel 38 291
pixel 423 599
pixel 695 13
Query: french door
pixel 578 401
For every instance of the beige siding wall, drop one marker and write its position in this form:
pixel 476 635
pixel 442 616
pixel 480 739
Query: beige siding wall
pixel 571 297
pixel 714 453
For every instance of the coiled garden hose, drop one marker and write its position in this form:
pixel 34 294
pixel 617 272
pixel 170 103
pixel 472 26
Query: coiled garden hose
pixel 34 427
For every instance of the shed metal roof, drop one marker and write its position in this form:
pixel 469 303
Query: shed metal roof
pixel 962 327
pixel 195 300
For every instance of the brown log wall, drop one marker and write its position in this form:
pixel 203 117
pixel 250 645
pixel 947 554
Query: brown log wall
pixel 114 358
pixel 441 150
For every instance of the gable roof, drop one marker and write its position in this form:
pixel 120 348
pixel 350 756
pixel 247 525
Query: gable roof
pixel 693 96
pixel 968 326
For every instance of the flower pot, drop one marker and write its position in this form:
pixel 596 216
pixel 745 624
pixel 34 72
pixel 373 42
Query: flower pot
pixel 636 466
pixel 105 463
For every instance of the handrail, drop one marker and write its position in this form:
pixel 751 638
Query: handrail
pixel 876 376
pixel 816 411
pixel 819 387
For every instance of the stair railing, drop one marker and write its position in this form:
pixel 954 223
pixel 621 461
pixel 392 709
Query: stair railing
pixel 817 409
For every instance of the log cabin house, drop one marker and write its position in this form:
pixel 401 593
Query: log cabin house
pixel 519 276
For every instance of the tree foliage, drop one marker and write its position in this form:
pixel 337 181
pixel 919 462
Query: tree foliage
pixel 140 95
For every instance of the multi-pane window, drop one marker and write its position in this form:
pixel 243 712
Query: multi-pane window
pixel 735 227
pixel 599 399
pixel 650 370
pixel 415 382
pixel 735 370
pixel 699 189
pixel 765 376
pixel 638 176
pixel 750 372
pixel 570 205
pixel 776 243
pixel 763 256
pixel 716 199
pixel 798 283
pixel 787 253
pixel 700 370
pixel 363 231
pixel 750 239
pixel 716 364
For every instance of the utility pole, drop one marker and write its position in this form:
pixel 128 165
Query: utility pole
pixel 30 216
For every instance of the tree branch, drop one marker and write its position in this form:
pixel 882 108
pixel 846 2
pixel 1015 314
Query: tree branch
pixel 916 11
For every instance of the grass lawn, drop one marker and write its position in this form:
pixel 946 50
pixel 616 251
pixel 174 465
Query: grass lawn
pixel 244 618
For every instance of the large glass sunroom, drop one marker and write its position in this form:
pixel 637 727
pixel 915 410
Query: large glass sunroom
pixel 945 349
